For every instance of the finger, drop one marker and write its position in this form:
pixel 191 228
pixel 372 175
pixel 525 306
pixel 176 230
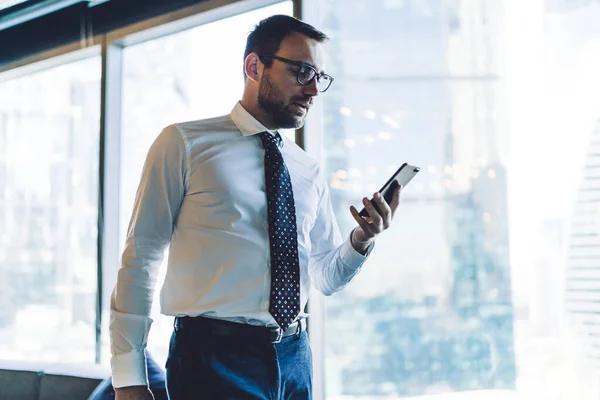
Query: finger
pixel 375 216
pixel 395 199
pixel 384 209
pixel 365 226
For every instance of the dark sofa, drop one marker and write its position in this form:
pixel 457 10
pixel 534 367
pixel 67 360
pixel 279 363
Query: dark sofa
pixel 33 381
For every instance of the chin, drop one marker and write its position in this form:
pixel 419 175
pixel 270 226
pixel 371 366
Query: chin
pixel 292 121
pixel 298 123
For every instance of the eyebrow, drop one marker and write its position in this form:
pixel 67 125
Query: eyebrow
pixel 298 64
pixel 316 69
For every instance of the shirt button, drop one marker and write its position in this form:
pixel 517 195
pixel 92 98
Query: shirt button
pixel 266 304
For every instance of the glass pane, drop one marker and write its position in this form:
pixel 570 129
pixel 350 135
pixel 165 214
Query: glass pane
pixel 9 3
pixel 181 77
pixel 49 127
pixel 498 102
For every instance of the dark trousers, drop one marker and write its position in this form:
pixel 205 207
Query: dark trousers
pixel 205 365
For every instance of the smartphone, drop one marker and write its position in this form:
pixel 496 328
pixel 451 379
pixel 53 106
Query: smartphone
pixel 401 177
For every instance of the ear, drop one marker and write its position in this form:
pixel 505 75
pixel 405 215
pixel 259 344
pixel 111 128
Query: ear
pixel 251 65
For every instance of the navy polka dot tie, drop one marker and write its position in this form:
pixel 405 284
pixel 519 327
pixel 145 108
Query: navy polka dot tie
pixel 284 303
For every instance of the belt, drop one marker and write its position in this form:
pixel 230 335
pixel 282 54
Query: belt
pixel 220 327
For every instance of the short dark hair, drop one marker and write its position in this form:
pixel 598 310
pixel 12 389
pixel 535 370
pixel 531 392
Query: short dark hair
pixel 268 34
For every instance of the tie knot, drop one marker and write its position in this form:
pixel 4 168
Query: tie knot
pixel 267 138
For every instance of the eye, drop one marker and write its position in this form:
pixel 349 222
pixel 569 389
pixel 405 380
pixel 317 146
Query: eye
pixel 305 74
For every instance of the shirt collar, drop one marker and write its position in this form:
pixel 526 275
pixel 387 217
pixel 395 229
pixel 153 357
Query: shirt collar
pixel 246 123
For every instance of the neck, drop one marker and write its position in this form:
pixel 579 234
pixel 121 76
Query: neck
pixel 255 110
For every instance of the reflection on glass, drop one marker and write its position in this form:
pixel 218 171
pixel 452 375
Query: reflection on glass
pixel 181 77
pixel 49 127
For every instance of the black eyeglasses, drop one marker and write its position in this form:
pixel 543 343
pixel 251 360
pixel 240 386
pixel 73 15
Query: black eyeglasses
pixel 306 73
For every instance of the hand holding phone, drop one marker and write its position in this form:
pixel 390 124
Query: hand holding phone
pixel 401 177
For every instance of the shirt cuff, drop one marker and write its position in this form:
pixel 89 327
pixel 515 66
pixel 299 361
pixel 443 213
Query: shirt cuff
pixel 352 258
pixel 129 369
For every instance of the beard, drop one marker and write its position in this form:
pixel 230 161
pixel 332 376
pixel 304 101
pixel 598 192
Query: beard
pixel 270 99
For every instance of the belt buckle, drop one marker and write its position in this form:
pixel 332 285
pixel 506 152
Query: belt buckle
pixel 279 333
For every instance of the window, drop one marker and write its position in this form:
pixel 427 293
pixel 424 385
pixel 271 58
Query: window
pixel 465 292
pixel 186 76
pixel 49 126
pixel 486 285
pixel 9 3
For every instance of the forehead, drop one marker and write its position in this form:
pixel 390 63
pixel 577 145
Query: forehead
pixel 298 47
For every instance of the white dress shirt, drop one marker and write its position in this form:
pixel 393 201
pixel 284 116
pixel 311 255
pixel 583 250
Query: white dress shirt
pixel 202 192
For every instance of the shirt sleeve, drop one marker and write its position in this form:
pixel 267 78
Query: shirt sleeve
pixel 157 202
pixel 333 261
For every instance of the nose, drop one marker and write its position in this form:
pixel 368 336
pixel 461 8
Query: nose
pixel 311 89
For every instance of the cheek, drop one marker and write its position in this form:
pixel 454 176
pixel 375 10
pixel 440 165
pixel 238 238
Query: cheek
pixel 289 87
pixel 286 88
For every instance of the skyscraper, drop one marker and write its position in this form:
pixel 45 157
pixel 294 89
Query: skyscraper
pixel 421 86
pixel 582 289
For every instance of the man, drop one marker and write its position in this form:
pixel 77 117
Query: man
pixel 250 226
